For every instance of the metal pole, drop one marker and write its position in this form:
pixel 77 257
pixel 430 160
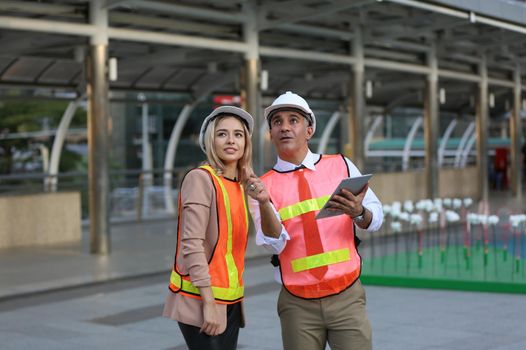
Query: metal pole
pixel 251 101
pixel 357 102
pixel 482 132
pixel 97 94
pixel 251 91
pixel 516 137
pixel 431 126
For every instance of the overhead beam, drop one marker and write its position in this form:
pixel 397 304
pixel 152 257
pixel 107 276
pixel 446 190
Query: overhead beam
pixel 391 54
pixel 397 66
pixel 175 39
pixel 88 30
pixel 201 13
pixel 42 8
pixel 501 82
pixel 337 6
pixel 393 43
pixel 305 55
pixel 433 8
pixel 456 66
pixel 423 5
pixel 299 42
pixel 445 73
pixel 460 56
pixel 47 26
pixel 318 31
pixel 170 24
pixel 190 11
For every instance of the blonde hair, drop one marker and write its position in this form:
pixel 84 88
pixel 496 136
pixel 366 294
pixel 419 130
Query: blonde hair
pixel 244 165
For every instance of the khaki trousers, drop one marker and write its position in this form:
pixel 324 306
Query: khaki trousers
pixel 340 320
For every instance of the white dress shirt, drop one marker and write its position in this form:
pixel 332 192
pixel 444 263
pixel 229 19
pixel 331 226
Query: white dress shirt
pixel 276 245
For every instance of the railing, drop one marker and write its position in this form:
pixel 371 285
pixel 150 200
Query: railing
pixel 135 195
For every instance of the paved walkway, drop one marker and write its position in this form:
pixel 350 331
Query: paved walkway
pixel 401 318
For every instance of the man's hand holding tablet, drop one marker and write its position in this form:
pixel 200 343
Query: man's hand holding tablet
pixel 355 185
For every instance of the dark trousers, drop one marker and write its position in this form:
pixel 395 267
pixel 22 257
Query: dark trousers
pixel 224 341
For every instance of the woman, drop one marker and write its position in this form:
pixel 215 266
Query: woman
pixel 206 286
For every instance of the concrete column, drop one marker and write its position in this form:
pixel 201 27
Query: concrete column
pixel 357 102
pixel 251 92
pixel 516 137
pixel 482 132
pixel 431 126
pixel 98 126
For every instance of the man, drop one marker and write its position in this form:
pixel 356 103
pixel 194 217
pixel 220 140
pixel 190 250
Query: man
pixel 322 299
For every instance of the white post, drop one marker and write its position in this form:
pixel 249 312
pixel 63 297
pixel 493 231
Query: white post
pixel 147 176
pixel 51 181
pixel 170 155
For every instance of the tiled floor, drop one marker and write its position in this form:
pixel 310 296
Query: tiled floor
pixel 41 308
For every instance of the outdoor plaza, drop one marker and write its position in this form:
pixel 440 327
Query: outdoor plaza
pixel 100 107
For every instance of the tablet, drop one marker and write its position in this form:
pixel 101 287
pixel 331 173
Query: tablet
pixel 353 184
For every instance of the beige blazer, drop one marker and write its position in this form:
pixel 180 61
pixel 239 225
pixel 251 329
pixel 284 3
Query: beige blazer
pixel 199 232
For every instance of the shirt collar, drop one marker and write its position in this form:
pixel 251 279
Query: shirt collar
pixel 308 162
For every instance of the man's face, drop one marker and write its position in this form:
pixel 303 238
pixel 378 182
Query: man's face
pixel 290 132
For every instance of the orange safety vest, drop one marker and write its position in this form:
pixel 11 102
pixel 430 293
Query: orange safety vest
pixel 339 252
pixel 227 262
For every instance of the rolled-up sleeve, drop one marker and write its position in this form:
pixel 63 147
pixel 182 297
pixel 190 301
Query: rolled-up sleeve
pixel 196 199
pixel 273 245
pixel 370 201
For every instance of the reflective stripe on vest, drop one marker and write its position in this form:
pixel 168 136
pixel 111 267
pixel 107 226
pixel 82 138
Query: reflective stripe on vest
pixel 303 207
pixel 219 293
pixel 235 290
pixel 322 259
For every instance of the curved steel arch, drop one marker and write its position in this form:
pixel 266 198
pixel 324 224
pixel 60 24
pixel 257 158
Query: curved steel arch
pixel 443 142
pixel 51 181
pixel 409 141
pixel 326 135
pixel 467 133
pixel 175 136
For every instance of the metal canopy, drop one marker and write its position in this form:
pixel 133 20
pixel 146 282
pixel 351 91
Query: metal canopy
pixel 304 45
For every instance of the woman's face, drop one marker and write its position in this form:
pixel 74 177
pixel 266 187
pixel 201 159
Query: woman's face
pixel 229 140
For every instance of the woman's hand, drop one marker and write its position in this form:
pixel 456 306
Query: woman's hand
pixel 210 314
pixel 210 319
pixel 256 189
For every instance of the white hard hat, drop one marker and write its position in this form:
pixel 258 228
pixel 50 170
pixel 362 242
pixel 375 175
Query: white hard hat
pixel 291 100
pixel 225 110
